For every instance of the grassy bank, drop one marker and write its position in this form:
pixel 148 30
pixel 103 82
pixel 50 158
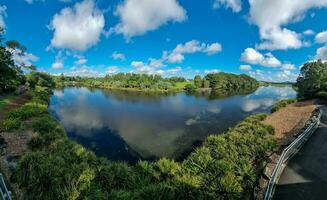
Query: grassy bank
pixel 225 167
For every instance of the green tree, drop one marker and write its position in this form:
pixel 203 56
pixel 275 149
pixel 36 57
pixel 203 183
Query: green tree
pixel 206 83
pixel 312 79
pixel 198 81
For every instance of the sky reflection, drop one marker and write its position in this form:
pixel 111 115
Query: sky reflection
pixel 128 125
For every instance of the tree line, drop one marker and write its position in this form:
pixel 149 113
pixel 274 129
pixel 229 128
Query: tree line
pixel 123 81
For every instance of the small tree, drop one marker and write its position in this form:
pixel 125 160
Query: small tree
pixel 198 81
pixel 206 83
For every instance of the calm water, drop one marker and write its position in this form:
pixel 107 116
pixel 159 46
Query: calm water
pixel 128 126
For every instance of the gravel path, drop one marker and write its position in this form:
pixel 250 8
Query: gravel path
pixel 305 177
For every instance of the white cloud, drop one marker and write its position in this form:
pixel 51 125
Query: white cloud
pixel 280 76
pixel 59 61
pixel 190 47
pixel 254 57
pixel 57 65
pixel 84 71
pixel 174 70
pixel 156 63
pixel 288 67
pixel 322 53
pixel 112 70
pixel 245 67
pixel 77 28
pixel 81 61
pixel 140 16
pixel 211 71
pixel 271 16
pixel 213 48
pixel 174 57
pixel 25 59
pixel 309 32
pixel 3 14
pixel 235 5
pixel 118 56
pixel 321 37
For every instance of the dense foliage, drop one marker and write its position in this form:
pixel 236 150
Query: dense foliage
pixel 231 82
pixel 10 73
pixel 282 104
pixel 123 81
pixel 312 81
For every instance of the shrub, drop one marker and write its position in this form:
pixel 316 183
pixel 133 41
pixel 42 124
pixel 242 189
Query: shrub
pixel 282 104
pixel 11 124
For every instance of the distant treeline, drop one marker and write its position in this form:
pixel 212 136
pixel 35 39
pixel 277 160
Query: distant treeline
pixel 123 81
pixel 224 82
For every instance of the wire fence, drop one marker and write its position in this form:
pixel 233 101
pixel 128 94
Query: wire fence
pixel 4 192
pixel 290 151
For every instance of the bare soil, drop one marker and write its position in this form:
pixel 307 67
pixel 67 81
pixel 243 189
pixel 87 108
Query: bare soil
pixel 289 120
pixel 13 145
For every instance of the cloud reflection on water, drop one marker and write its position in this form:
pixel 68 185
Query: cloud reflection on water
pixel 154 126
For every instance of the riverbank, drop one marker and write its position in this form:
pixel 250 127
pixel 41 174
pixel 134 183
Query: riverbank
pixel 54 167
pixel 288 122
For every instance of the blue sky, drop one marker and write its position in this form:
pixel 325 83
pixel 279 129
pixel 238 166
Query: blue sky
pixel 266 39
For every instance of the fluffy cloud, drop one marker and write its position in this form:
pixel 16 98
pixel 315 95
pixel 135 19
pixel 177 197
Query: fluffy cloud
pixel 112 70
pixel 59 61
pixel 270 16
pixel 84 71
pixel 57 65
pixel 174 70
pixel 235 5
pixel 288 67
pixel 213 48
pixel 3 14
pixel 254 57
pixel 211 71
pixel 322 53
pixel 118 56
pixel 321 37
pixel 25 59
pixel 280 76
pixel 193 46
pixel 245 67
pixel 140 16
pixel 77 28
pixel 80 61
pixel 309 32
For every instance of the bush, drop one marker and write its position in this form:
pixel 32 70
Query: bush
pixel 282 104
pixel 11 124
pixel 190 87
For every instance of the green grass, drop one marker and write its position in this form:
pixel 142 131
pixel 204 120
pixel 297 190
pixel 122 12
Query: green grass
pixel 180 85
pixel 6 101
pixel 282 104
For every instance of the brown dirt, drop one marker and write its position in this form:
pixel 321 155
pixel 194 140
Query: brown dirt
pixel 15 103
pixel 13 145
pixel 288 121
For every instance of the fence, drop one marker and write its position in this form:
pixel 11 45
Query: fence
pixel 5 194
pixel 290 151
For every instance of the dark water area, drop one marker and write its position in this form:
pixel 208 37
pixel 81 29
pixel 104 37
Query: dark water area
pixel 128 126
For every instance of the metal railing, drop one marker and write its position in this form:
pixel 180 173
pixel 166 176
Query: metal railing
pixel 290 151
pixel 5 194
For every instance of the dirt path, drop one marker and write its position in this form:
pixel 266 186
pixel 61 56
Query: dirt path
pixel 13 144
pixel 305 176
pixel 15 103
pixel 288 121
